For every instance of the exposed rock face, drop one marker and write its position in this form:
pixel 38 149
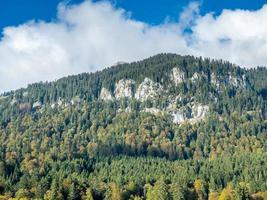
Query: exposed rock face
pixel 37 104
pixel 244 80
pixel 172 102
pixel 13 101
pixel 237 81
pixel 148 89
pixel 75 100
pixel 105 94
pixel 177 76
pixel 59 102
pixel 179 116
pixel 214 80
pixel 152 110
pixel 195 77
pixel 192 114
pixel 199 111
pixel 198 76
pixel 63 103
pixel 53 105
pixel 124 89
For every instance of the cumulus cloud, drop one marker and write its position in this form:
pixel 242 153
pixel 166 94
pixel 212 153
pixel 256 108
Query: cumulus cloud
pixel 239 36
pixel 90 36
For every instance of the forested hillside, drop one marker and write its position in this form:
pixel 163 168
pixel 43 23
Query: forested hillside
pixel 168 127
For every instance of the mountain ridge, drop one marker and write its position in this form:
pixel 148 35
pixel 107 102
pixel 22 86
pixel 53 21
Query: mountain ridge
pixel 176 75
pixel 178 126
pixel 137 65
pixel 120 66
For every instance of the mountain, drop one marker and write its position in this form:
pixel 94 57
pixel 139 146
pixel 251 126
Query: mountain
pixel 167 127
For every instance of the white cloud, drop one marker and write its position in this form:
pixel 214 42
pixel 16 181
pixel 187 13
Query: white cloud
pixel 189 15
pixel 90 36
pixel 239 36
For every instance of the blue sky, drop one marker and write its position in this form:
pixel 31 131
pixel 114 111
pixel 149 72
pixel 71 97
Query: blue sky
pixel 155 11
pixel 40 41
pixel 15 12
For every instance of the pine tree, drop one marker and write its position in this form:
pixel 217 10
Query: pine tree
pixel 72 193
pixel 113 192
pixel 177 192
pixel 160 190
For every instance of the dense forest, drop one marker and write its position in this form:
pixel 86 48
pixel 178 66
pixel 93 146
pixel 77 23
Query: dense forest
pixel 62 140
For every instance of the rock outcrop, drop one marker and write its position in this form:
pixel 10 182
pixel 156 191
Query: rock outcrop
pixel 124 89
pixel 37 104
pixel 198 76
pixel 75 100
pixel 193 114
pixel 214 80
pixel 199 112
pixel 148 89
pixel 239 82
pixel 153 110
pixel 177 76
pixel 105 94
pixel 179 116
pixel 195 77
pixel 60 102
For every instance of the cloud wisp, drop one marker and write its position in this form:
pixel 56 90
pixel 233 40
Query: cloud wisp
pixel 90 36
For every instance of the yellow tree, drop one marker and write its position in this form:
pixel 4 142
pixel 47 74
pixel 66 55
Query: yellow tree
pixel 227 193
pixel 114 192
pixel 88 195
pixel 200 189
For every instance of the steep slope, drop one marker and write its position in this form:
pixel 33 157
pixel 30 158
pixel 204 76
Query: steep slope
pixel 174 115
